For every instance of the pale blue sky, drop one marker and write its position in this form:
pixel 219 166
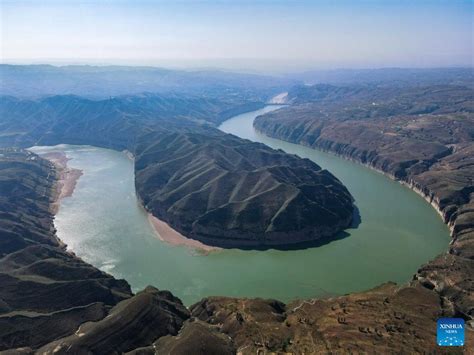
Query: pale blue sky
pixel 280 35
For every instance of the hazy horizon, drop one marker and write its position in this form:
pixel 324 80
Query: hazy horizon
pixel 204 66
pixel 260 36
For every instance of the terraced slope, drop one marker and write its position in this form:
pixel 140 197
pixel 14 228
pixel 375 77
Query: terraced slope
pixel 208 185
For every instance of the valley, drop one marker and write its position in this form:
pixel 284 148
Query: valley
pixel 205 184
pixel 236 177
pixel 376 247
pixel 377 241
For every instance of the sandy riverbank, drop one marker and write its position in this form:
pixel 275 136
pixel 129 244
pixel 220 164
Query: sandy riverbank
pixel 67 179
pixel 167 234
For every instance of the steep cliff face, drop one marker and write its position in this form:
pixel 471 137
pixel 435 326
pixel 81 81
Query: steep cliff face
pixel 431 153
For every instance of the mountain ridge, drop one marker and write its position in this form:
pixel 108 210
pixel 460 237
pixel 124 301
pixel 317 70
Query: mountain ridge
pixel 171 148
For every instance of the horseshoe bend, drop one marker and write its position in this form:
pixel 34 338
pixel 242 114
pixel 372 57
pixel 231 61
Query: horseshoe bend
pixel 228 192
pixel 208 185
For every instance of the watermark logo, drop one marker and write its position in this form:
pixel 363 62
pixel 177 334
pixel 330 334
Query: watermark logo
pixel 450 332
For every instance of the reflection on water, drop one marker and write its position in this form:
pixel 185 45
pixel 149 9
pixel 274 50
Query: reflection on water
pixel 103 224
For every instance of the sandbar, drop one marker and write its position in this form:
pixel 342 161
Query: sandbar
pixel 67 177
pixel 167 234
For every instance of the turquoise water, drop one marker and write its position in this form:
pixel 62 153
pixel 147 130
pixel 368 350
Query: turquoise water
pixel 103 223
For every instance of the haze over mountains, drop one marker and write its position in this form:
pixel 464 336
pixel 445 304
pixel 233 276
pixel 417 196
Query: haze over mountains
pixel 196 183
pixel 391 77
pixel 414 125
pixel 106 81
pixel 208 185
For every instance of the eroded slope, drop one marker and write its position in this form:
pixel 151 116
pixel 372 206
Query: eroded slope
pixel 226 191
pixel 208 185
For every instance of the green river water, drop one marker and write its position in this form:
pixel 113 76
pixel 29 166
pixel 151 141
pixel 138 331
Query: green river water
pixel 103 224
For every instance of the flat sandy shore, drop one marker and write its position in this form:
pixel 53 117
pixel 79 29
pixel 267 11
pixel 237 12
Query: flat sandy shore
pixel 167 234
pixel 67 176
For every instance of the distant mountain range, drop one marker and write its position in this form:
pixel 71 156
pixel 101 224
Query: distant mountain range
pixel 106 81
pixel 400 77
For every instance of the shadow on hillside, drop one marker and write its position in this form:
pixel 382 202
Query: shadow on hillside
pixel 356 220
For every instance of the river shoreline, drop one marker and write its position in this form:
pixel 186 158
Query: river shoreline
pixel 166 234
pixel 67 177
pixel 271 260
pixel 448 274
pixel 428 197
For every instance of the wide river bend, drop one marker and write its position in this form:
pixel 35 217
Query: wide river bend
pixel 103 224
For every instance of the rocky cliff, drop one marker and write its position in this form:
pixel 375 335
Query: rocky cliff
pixel 432 153
pixel 52 301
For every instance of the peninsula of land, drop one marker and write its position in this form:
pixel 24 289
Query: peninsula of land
pixel 208 186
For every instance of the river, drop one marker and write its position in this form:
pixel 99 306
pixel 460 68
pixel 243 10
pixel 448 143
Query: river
pixel 103 223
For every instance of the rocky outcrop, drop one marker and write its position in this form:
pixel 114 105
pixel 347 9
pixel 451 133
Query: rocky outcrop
pixel 53 302
pixel 104 317
pixel 388 319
